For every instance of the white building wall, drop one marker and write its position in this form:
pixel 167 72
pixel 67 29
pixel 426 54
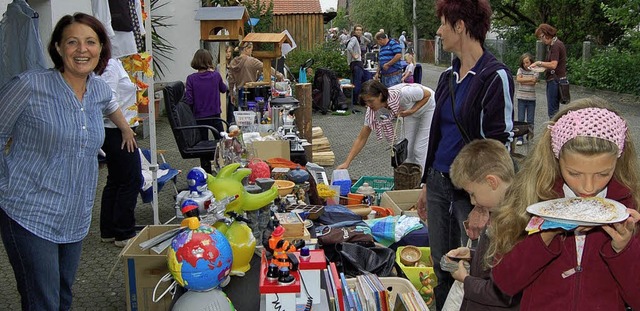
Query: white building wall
pixel 184 35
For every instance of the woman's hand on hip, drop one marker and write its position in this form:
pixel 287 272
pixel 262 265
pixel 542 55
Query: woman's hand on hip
pixel 129 140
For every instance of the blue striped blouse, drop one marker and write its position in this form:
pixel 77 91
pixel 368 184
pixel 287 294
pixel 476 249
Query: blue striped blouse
pixel 49 176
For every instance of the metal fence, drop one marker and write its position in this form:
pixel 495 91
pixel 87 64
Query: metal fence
pixel 510 54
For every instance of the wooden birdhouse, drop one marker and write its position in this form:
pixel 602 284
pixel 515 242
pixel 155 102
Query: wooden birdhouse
pixel 273 40
pixel 222 23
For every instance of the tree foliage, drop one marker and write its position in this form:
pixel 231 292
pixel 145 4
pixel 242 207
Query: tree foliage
pixel 375 14
pixel 262 10
pixel 576 20
pixel 341 21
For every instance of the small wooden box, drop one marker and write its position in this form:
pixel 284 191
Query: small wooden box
pixel 292 224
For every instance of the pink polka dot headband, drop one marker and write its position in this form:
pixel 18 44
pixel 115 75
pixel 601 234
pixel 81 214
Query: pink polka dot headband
pixel 591 122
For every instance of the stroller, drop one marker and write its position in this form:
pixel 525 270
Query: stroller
pixel 327 94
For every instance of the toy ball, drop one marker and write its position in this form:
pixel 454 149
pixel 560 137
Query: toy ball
pixel 202 301
pixel 197 180
pixel 200 258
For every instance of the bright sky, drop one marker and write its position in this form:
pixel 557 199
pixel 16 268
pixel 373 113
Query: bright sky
pixel 326 4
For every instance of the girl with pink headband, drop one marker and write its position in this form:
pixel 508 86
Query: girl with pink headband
pixel 586 151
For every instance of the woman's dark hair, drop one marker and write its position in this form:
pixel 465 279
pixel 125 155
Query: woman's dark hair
pixel 95 25
pixel 523 57
pixel 202 60
pixel 547 30
pixel 476 15
pixel 373 88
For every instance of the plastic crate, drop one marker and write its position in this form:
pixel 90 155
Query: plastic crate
pixel 395 286
pixel 379 183
pixel 245 118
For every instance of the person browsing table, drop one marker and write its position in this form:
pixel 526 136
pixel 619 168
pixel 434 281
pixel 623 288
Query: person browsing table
pixel 413 102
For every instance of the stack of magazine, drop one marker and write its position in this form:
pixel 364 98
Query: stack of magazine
pixel 368 292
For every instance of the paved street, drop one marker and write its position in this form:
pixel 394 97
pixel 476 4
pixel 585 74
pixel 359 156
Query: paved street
pixel 97 289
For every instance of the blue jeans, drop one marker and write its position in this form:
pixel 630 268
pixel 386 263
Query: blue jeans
pixel 527 107
pixel 447 208
pixel 358 76
pixel 44 270
pixel 552 98
pixel 390 81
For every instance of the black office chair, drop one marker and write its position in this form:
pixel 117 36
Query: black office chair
pixel 186 131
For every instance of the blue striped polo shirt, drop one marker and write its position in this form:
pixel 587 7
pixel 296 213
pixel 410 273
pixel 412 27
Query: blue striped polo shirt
pixel 48 178
pixel 387 52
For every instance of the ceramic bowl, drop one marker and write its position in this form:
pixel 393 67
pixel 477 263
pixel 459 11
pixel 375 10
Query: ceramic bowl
pixel 410 255
pixel 284 187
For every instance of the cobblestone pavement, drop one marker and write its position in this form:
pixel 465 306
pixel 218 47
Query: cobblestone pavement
pixel 100 279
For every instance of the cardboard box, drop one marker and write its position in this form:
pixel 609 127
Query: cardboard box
pixel 292 224
pixel 401 201
pixel 265 150
pixel 143 270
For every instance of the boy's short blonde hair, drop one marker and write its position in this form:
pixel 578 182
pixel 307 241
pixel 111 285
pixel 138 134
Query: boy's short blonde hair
pixel 480 158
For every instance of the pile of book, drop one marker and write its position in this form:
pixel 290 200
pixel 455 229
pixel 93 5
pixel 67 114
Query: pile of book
pixel 368 292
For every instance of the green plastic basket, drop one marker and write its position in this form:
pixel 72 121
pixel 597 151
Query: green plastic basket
pixel 379 183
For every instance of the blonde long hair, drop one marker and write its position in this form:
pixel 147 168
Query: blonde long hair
pixel 539 172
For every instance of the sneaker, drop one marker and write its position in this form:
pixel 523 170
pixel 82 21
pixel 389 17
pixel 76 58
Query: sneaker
pixel 122 243
pixel 107 240
pixel 519 143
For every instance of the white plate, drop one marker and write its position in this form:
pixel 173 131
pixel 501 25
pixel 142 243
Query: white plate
pixel 621 212
pixel 537 69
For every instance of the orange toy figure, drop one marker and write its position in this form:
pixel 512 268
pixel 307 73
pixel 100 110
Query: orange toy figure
pixel 280 247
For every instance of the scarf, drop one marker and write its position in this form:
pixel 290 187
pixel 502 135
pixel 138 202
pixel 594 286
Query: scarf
pixel 384 126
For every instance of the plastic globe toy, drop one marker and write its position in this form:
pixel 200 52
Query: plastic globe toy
pixel 200 257
pixel 211 300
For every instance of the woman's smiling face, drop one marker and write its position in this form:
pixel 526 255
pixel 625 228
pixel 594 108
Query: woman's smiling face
pixel 80 50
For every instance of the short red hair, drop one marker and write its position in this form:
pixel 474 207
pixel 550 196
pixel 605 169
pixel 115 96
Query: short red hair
pixel 476 15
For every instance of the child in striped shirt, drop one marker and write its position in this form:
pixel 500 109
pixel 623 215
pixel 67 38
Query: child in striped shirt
pixel 526 93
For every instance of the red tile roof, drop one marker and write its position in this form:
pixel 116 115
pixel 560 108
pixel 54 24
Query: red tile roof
pixel 282 7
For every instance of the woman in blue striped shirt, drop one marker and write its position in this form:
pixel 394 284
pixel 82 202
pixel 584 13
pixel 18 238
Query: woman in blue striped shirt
pixel 48 175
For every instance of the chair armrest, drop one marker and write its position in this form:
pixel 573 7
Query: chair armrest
pixel 215 118
pixel 212 129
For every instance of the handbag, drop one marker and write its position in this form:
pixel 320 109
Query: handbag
pixel 398 151
pixel 454 298
pixel 345 234
pixel 564 96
